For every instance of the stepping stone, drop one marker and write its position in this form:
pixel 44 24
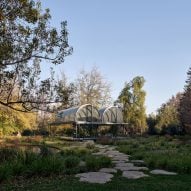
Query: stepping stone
pixel 120 158
pixel 137 161
pixel 162 172
pixel 129 168
pixel 123 164
pixel 134 174
pixel 95 177
pixel 119 161
pixel 108 170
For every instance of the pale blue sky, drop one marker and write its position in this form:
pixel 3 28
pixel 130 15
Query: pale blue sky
pixel 126 38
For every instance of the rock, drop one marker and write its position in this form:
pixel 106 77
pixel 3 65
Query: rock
pixel 131 168
pixel 108 170
pixel 95 177
pixel 137 161
pixel 123 164
pixel 133 174
pixel 162 172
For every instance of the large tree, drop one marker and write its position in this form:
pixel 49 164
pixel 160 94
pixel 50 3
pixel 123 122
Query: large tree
pixel 185 105
pixel 167 119
pixel 92 88
pixel 132 98
pixel 26 39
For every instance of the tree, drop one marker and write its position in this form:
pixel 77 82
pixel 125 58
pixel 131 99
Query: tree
pixel 12 121
pixel 92 88
pixel 185 105
pixel 167 118
pixel 151 123
pixel 132 98
pixel 26 39
pixel 66 91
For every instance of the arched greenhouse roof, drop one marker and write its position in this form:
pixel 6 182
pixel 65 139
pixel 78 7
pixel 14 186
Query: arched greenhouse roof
pixel 112 114
pixel 84 113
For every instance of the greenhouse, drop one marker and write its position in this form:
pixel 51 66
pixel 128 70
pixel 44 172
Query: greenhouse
pixel 111 114
pixel 88 121
pixel 84 113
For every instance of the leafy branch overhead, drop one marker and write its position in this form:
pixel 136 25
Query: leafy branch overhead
pixel 26 39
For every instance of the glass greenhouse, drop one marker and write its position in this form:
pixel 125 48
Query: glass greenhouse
pixel 84 113
pixel 88 121
pixel 111 114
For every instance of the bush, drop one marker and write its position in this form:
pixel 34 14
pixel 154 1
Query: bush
pixel 90 144
pixel 71 162
pixel 95 163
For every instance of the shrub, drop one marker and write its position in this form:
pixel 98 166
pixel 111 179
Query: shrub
pixel 90 144
pixel 95 163
pixel 71 162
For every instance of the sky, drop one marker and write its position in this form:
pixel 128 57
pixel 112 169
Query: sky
pixel 128 38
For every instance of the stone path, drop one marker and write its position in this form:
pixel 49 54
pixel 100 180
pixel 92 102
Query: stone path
pixel 121 162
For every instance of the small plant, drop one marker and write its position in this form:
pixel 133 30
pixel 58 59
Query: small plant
pixel 95 163
pixel 90 145
pixel 71 162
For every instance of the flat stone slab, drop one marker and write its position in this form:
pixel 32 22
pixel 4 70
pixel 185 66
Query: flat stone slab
pixel 134 174
pixel 120 158
pixel 123 164
pixel 131 168
pixel 138 161
pixel 162 172
pixel 95 177
pixel 108 170
pixel 119 161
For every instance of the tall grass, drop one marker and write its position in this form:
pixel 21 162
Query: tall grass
pixel 170 153
pixel 14 162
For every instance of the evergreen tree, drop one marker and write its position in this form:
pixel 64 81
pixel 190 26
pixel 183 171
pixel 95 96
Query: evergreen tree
pixel 132 98
pixel 185 105
pixel 168 116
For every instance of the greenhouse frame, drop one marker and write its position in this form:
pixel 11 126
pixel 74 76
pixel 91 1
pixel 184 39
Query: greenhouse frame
pixel 87 118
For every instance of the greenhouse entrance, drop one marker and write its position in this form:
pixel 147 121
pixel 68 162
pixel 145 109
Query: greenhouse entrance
pixel 89 122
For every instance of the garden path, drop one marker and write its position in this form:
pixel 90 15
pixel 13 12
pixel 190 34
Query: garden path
pixel 122 163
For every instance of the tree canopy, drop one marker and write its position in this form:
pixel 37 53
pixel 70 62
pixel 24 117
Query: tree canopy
pixel 132 98
pixel 26 39
pixel 185 105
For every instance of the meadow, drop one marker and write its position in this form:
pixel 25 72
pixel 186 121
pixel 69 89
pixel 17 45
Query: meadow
pixel 54 169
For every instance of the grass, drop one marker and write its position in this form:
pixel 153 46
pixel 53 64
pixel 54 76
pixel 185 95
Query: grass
pixel 160 152
pixel 15 162
pixel 171 153
pixel 69 183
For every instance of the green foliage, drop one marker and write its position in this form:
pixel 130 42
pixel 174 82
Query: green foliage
pixel 151 123
pixel 185 105
pixel 13 121
pixel 160 152
pixel 27 39
pixel 71 162
pixel 70 183
pixel 167 119
pixel 96 163
pixel 132 98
